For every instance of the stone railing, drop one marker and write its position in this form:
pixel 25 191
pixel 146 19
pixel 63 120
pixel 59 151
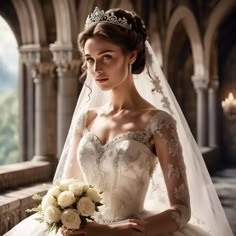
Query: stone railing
pixel 18 183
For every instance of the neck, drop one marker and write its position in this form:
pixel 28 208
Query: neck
pixel 125 97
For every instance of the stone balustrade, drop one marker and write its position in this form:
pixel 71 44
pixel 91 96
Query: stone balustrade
pixel 18 183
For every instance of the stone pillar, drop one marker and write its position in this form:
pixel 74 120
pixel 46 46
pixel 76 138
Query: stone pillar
pixel 38 61
pixel 200 85
pixel 67 95
pixel 67 89
pixel 212 113
pixel 45 112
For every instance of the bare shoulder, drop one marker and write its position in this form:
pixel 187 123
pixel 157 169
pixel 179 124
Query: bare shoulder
pixel 92 113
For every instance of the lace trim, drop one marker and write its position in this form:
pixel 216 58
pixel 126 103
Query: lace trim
pixel 181 193
pixel 140 136
pixel 173 171
pixel 164 120
pixel 181 215
pixel 81 122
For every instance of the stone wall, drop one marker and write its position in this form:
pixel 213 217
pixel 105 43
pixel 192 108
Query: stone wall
pixel 18 183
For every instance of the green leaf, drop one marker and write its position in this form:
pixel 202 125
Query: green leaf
pixel 35 209
pixel 37 197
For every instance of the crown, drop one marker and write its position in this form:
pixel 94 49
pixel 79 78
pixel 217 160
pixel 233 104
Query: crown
pixel 100 16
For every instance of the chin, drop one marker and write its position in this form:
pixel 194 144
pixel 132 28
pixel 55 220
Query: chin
pixel 104 87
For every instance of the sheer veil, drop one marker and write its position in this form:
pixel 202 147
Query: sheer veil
pixel 206 208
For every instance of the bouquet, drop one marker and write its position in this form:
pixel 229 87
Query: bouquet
pixel 69 203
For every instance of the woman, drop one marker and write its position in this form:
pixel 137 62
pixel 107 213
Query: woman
pixel 129 147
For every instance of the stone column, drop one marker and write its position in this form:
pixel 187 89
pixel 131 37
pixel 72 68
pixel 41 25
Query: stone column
pixel 67 89
pixel 200 85
pixel 67 95
pixel 212 113
pixel 45 110
pixel 42 71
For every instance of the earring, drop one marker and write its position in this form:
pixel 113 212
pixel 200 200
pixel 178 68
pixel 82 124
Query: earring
pixel 130 67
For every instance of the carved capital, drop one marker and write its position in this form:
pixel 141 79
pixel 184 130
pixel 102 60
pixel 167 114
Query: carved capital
pixel 200 83
pixel 42 71
pixel 214 82
pixel 32 54
pixel 62 53
pixel 71 67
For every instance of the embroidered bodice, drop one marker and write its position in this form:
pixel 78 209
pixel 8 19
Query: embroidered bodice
pixel 122 169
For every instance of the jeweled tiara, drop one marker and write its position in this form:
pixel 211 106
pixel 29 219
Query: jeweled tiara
pixel 100 16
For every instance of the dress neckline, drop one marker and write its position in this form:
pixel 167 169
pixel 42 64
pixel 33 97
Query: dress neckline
pixel 145 131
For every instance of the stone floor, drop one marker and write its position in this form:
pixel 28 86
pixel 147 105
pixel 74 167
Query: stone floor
pixel 225 183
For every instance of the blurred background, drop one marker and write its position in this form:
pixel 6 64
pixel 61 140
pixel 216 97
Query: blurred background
pixel 195 43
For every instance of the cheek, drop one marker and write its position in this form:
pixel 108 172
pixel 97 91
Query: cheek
pixel 120 67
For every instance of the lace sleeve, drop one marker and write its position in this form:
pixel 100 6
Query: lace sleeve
pixel 81 122
pixel 169 153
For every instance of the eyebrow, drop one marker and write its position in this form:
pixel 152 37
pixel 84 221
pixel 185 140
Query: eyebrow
pixel 102 52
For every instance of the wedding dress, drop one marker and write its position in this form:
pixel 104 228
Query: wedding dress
pixel 128 172
pixel 122 169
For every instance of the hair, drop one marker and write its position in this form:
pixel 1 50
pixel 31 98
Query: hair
pixel 128 39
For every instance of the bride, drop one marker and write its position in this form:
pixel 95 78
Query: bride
pixel 129 139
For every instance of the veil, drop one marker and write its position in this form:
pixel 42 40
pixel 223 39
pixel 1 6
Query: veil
pixel 207 211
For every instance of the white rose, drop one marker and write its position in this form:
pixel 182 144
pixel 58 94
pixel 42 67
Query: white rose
pixel 86 187
pixel 76 188
pixel 70 219
pixel 52 214
pixel 85 206
pixel 64 184
pixel 66 199
pixel 93 195
pixel 54 191
pixel 48 200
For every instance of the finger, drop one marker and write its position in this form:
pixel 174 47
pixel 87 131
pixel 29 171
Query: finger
pixel 74 232
pixel 137 227
pixel 138 221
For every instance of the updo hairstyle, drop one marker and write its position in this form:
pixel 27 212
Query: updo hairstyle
pixel 128 39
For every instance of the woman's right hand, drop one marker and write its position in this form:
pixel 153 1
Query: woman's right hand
pixel 131 227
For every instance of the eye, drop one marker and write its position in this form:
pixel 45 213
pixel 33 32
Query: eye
pixel 107 57
pixel 89 59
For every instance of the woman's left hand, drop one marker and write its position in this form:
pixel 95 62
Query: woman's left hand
pixel 89 229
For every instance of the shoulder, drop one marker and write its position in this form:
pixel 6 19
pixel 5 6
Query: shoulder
pixel 161 121
pixel 92 113
pixel 162 117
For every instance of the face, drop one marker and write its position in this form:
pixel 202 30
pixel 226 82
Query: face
pixel 106 62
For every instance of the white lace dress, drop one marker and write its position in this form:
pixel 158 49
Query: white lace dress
pixel 122 169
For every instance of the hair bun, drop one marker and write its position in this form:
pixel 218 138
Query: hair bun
pixel 139 26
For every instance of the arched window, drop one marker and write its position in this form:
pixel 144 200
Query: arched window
pixel 9 112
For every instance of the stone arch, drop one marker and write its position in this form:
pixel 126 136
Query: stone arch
pixel 157 47
pixel 31 20
pixel 38 24
pixel 63 21
pixel 222 9
pixel 25 22
pixel 127 5
pixel 87 9
pixel 74 22
pixel 184 15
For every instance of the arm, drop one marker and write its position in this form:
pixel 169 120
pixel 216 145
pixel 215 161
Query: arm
pixel 72 169
pixel 169 152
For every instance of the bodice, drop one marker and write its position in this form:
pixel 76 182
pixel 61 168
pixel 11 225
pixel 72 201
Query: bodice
pixel 121 169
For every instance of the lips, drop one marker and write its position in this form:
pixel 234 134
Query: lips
pixel 101 79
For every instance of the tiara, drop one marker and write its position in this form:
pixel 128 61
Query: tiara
pixel 100 16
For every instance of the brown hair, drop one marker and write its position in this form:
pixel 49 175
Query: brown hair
pixel 128 40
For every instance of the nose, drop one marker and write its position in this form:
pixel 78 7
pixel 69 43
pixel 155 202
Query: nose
pixel 98 68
